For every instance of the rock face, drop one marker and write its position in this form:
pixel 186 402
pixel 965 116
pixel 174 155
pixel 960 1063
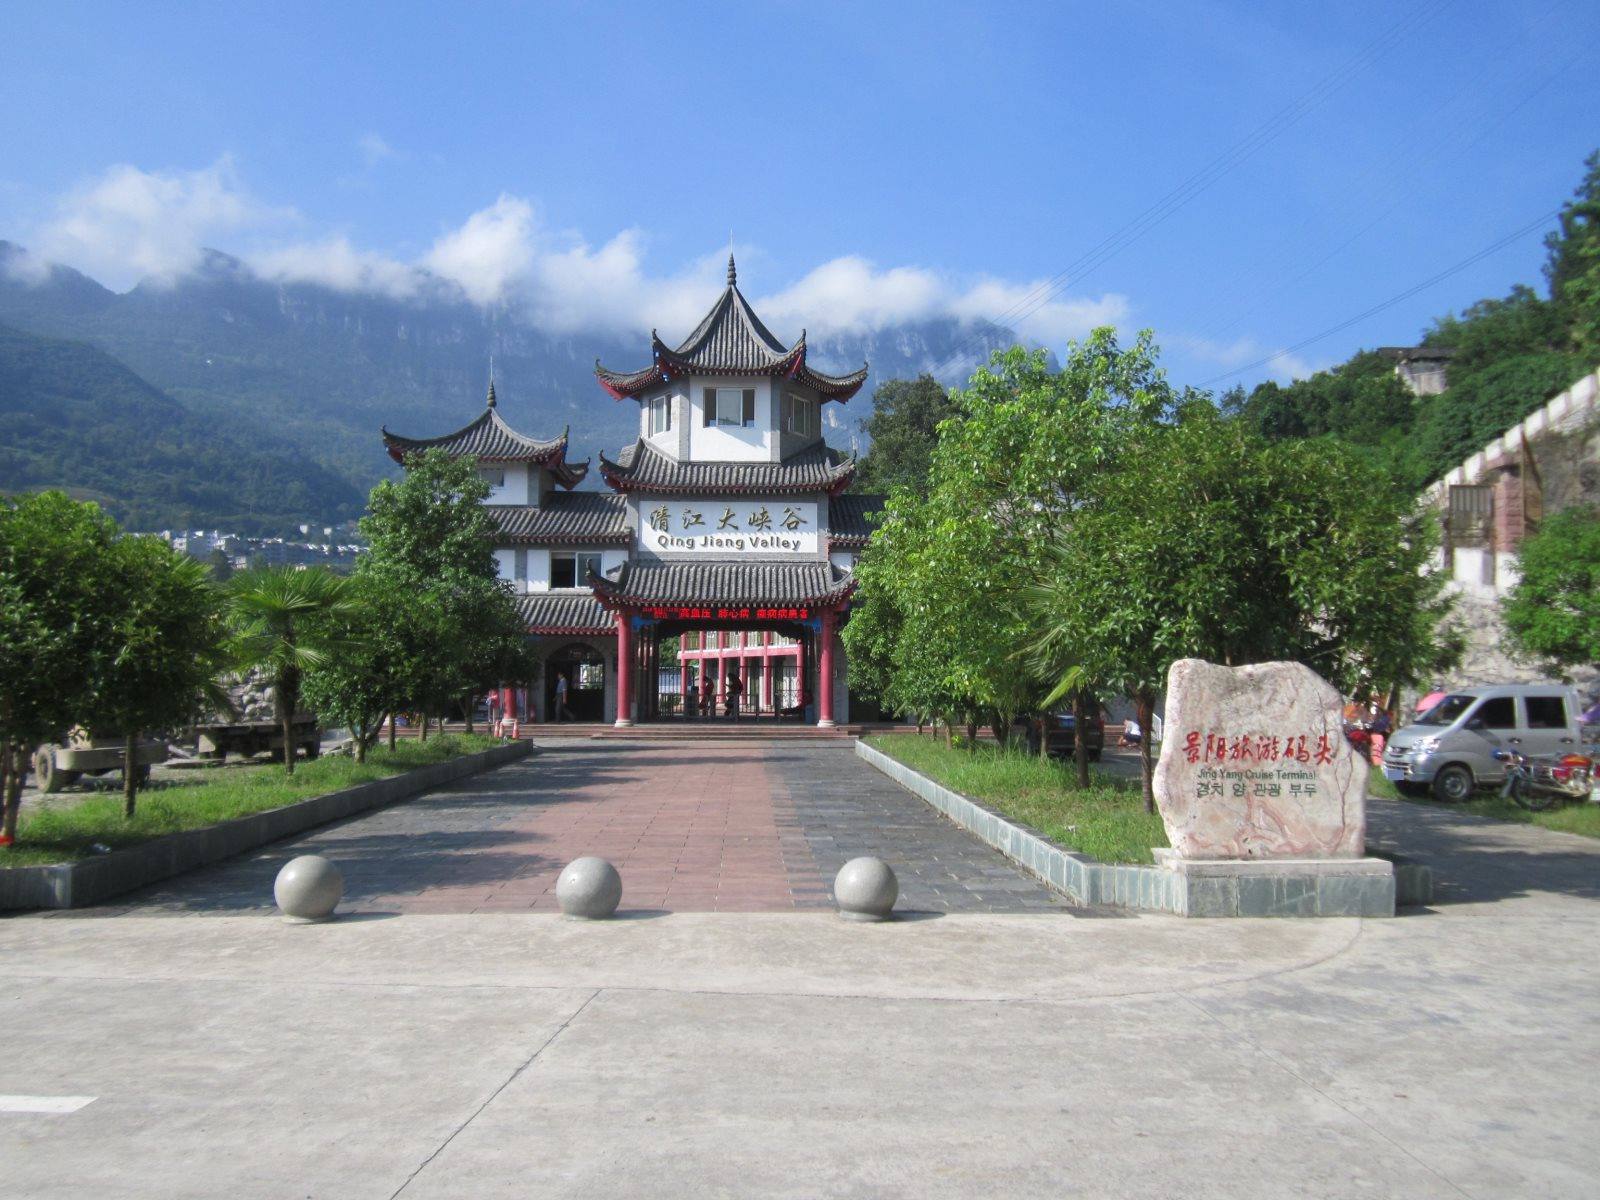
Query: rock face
pixel 1254 764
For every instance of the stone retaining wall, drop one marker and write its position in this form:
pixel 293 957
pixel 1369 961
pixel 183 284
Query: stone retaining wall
pixel 1329 892
pixel 94 880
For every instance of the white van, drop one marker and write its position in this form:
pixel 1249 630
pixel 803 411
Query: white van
pixel 1450 749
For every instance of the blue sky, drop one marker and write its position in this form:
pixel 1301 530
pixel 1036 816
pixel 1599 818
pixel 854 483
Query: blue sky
pixel 875 162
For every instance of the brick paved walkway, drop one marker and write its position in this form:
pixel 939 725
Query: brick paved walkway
pixel 692 827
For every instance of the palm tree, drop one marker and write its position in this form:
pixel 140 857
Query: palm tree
pixel 283 620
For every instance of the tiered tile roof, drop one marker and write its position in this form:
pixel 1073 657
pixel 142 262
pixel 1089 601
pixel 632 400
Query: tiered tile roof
pixel 491 440
pixel 566 518
pixel 730 340
pixel 852 517
pixel 565 613
pixel 646 583
pixel 643 468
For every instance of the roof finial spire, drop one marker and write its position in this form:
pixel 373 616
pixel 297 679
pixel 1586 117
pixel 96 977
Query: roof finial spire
pixel 733 275
pixel 491 401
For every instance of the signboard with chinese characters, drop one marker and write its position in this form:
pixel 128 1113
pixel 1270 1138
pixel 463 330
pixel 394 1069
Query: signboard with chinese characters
pixel 728 527
pixel 1255 765
pixel 724 612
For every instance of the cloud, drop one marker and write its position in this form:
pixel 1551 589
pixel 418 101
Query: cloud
pixel 131 224
pixel 375 150
pixel 851 293
pixel 335 263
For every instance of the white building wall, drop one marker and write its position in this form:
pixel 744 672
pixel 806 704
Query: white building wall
pixel 505 562
pixel 727 443
pixel 515 488
pixel 538 569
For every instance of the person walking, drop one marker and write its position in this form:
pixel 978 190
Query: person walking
pixel 735 690
pixel 563 713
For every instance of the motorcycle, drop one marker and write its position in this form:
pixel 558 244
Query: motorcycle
pixel 1536 784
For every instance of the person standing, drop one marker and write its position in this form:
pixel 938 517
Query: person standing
pixel 735 690
pixel 691 701
pixel 563 713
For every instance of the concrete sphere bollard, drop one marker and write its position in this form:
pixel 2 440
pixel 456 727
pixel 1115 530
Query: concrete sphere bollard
pixel 308 889
pixel 865 889
pixel 590 888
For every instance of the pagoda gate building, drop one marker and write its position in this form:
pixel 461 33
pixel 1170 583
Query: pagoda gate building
pixel 726 526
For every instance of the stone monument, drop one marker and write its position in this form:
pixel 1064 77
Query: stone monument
pixel 1263 799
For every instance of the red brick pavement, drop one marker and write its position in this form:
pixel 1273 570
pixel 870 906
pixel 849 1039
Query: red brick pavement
pixel 691 828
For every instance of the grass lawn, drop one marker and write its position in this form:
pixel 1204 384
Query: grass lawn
pixel 208 796
pixel 1566 817
pixel 1106 821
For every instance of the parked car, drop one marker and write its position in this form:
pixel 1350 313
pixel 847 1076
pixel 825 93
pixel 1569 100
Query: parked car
pixel 1449 750
pixel 1062 736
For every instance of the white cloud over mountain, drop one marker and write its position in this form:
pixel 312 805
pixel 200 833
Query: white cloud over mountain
pixel 132 224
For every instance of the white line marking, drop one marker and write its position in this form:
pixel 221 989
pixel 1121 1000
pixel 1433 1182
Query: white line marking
pixel 43 1104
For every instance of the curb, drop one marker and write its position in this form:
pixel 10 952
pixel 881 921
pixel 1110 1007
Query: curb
pixel 93 880
pixel 1086 880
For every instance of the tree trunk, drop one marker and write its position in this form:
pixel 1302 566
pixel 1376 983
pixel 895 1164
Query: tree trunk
pixel 12 759
pixel 1146 704
pixel 362 731
pixel 466 707
pixel 13 797
pixel 1080 743
pixel 1002 730
pixel 394 722
pixel 130 774
pixel 949 735
pixel 425 720
pixel 972 733
pixel 1044 737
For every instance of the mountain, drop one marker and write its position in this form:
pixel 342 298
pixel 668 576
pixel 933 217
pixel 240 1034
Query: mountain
pixel 72 416
pixel 316 371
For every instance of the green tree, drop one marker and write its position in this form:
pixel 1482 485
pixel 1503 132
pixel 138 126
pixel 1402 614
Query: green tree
pixel 170 646
pixel 56 597
pixel 904 428
pixel 1017 459
pixel 1553 612
pixel 1212 542
pixel 453 628
pixel 1573 266
pixel 360 683
pixel 285 621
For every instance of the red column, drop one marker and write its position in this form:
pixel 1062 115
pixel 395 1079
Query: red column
pixel 624 671
pixel 825 673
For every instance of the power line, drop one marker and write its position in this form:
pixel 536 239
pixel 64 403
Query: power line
pixel 1042 293
pixel 1501 244
pixel 1494 115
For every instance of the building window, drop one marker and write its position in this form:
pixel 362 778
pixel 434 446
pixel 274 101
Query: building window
pixel 569 570
pixel 730 406
pixel 495 477
pixel 799 416
pixel 660 414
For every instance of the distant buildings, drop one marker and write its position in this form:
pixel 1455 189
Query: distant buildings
pixel 1494 500
pixel 244 552
pixel 1423 369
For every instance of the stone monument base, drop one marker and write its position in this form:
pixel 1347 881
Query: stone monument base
pixel 1281 887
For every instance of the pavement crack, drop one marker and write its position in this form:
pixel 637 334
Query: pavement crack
pixel 494 1095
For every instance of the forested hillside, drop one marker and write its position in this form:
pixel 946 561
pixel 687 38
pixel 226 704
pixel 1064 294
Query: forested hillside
pixel 314 371
pixel 72 416
pixel 1510 356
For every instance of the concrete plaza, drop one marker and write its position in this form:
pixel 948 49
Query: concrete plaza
pixel 964 1052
